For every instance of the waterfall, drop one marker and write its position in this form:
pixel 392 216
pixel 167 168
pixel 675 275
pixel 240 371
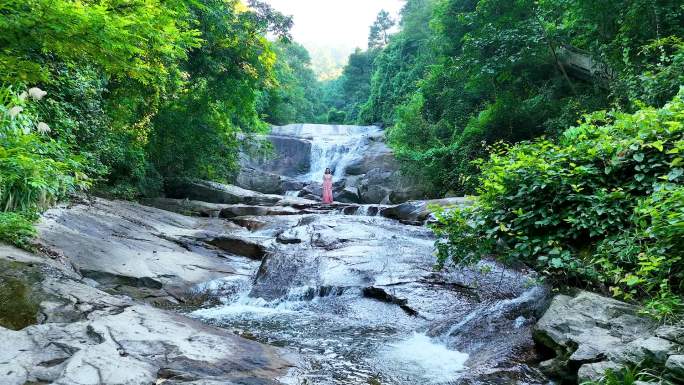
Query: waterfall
pixel 332 146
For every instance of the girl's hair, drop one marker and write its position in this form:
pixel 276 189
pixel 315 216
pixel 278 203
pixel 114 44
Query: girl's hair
pixel 327 171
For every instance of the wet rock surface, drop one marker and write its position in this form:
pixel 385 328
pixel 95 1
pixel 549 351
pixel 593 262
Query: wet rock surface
pixel 354 293
pixel 295 292
pixel 364 167
pixel 100 265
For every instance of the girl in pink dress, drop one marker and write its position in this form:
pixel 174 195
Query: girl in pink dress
pixel 327 186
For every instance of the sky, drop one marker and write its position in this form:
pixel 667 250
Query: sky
pixel 339 24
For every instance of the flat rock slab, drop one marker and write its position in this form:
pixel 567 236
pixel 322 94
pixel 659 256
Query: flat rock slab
pixel 419 211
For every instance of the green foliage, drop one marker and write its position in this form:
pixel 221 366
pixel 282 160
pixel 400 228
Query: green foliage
pixel 629 376
pixel 400 66
pixel 140 90
pixel 378 36
pixel 296 94
pixel 198 133
pixel 35 170
pixel 16 229
pixel 466 72
pixel 133 39
pixel 602 204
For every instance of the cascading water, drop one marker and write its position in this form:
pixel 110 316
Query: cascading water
pixel 332 146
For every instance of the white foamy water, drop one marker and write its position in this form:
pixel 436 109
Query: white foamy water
pixel 332 146
pixel 426 357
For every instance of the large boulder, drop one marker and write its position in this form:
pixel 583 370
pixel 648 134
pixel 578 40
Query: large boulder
pixel 348 195
pixel 589 334
pixel 258 180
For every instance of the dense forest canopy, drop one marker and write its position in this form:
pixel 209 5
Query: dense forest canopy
pixel 459 74
pixel 121 95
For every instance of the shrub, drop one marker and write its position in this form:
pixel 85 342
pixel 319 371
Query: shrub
pixel 602 205
pixel 16 229
pixel 35 169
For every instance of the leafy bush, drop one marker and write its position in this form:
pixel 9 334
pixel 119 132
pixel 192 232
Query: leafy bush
pixel 17 229
pixel 35 170
pixel 601 205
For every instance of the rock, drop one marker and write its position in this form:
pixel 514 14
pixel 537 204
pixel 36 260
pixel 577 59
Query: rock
pixel 593 333
pixel 674 367
pixel 651 349
pixel 556 368
pixel 419 211
pixel 239 246
pixel 382 295
pixel 290 156
pixel 673 333
pixel 313 189
pixel 186 206
pixel 594 372
pixel 250 223
pixel 374 194
pixel 91 337
pixel 348 195
pixel 213 192
pixel 147 249
pixel 258 180
pixel 231 211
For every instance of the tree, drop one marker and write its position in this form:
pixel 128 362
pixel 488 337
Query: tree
pixel 295 96
pixel 379 31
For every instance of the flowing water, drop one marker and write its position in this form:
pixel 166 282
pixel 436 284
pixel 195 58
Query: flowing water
pixel 356 296
pixel 332 146
pixel 342 337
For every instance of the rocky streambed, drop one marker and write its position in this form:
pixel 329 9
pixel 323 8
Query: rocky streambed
pixel 234 286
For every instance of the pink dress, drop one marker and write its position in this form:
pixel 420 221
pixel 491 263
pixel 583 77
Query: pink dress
pixel 327 188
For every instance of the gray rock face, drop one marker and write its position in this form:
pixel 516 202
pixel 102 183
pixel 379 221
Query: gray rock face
pixel 391 263
pixel 595 333
pixel 120 342
pixel 364 166
pixel 90 334
pixel 290 156
pixel 675 367
pixel 123 244
pixel 258 180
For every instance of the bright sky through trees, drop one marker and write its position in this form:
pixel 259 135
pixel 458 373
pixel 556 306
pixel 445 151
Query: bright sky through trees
pixel 340 24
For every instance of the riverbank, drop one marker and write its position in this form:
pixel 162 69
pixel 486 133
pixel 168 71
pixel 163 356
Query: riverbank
pixel 289 291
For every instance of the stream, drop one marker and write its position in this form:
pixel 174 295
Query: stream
pixel 358 298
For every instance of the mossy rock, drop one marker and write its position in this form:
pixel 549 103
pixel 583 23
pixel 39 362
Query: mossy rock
pixel 19 299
